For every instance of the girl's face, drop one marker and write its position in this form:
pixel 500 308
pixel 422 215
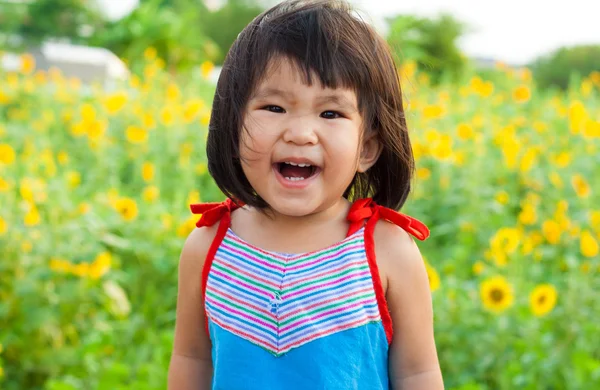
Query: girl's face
pixel 302 144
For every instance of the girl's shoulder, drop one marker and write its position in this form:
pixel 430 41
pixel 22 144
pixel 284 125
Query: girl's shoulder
pixel 396 252
pixel 195 249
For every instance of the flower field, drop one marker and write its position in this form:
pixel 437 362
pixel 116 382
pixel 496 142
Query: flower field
pixel 94 188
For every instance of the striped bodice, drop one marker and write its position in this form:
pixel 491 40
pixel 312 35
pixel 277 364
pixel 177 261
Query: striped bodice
pixel 316 320
pixel 280 302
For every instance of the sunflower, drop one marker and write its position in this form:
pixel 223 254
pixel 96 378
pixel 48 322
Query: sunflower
pixel 127 208
pixel 542 299
pixel 496 294
pixel 588 245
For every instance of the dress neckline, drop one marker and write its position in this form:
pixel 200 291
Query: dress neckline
pixel 287 256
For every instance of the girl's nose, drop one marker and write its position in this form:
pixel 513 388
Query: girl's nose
pixel 300 133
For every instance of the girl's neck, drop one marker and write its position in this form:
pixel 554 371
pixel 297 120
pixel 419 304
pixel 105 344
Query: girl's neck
pixel 283 233
pixel 335 213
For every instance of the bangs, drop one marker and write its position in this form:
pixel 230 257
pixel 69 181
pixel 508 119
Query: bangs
pixel 315 43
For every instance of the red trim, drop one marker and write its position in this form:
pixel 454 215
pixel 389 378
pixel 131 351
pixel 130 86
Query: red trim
pixel 210 214
pixel 212 251
pixel 386 318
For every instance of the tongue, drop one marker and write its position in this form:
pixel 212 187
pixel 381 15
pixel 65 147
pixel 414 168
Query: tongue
pixel 293 171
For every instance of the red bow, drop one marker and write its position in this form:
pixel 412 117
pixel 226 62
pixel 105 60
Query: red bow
pixel 366 208
pixel 212 212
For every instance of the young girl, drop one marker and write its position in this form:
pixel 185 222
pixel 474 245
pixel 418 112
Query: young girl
pixel 305 277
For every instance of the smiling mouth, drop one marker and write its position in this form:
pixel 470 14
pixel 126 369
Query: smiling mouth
pixel 296 171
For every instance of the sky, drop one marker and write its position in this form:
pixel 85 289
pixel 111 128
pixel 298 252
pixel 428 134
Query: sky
pixel 514 31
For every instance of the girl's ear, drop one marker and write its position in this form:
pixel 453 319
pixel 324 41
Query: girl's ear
pixel 370 151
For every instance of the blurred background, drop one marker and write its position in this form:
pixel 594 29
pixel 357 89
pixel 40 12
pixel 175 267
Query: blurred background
pixel 104 107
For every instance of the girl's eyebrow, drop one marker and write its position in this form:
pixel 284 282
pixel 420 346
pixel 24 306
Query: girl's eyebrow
pixel 338 99
pixel 268 92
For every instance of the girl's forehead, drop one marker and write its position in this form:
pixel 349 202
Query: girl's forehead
pixel 283 75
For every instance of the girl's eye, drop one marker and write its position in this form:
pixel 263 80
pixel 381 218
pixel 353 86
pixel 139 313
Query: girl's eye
pixel 330 115
pixel 274 108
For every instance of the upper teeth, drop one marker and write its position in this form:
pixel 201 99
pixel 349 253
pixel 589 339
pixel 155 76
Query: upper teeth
pixel 297 165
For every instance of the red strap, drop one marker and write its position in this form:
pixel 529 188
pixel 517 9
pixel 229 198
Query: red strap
pixel 210 214
pixel 366 208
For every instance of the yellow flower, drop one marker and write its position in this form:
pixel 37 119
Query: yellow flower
pixel 127 208
pixel 595 219
pixel 148 121
pixel 423 173
pixel 100 266
pixel 81 270
pixel 32 218
pixel 443 150
pixel 74 179
pixel 502 197
pixel 433 111
pixel 496 294
pixel 522 94
pixel 187 226
pixel 577 116
pixel 96 129
pixel 556 180
pixel 206 69
pixel 192 109
pixel 7 154
pixel 528 215
pixel 528 160
pixel 150 193
pixel 4 185
pixel 193 197
pixel 542 299
pixel 166 116
pixel 136 135
pixel 201 168
pixel 83 208
pixel 27 64
pixel 205 118
pixel 148 171
pixel 150 53
pixel 563 159
pixel 580 185
pixel 506 240
pixel 60 265
pixel 115 102
pixel 588 244
pixel 478 268
pixel 173 92
pixel 88 113
pixel 465 131
pixel 3 226
pixel 551 230
pixel 433 277
pixel 63 158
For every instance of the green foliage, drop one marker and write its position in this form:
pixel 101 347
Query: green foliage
pixel 224 24
pixel 172 28
pixel 431 43
pixel 557 68
pixel 68 329
pixel 38 20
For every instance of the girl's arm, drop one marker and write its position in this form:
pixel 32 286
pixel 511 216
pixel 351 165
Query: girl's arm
pixel 191 364
pixel 413 361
